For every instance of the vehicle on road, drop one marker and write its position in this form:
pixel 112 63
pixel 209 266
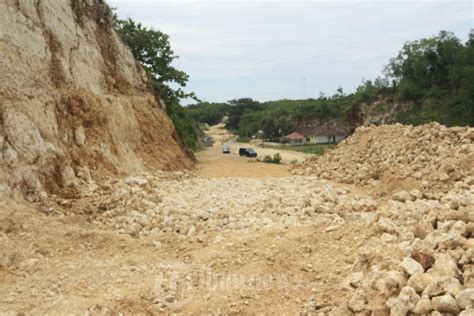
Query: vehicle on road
pixel 226 149
pixel 247 152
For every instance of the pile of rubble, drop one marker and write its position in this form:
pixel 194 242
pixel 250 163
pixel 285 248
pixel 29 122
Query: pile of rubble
pixel 412 251
pixel 186 204
pixel 431 155
pixel 420 258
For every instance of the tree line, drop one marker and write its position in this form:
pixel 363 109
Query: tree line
pixel 435 74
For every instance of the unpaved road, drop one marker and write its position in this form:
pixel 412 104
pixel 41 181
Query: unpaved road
pixel 212 163
pixel 216 244
pixel 241 238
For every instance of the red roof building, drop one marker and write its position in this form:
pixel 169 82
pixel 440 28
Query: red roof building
pixel 296 138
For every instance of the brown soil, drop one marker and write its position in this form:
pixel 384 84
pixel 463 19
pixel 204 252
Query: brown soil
pixel 212 163
pixel 66 265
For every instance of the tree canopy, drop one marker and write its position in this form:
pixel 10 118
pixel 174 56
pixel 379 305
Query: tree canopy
pixel 436 74
pixel 153 50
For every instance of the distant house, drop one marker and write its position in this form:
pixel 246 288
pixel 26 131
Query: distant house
pixel 325 134
pixel 296 138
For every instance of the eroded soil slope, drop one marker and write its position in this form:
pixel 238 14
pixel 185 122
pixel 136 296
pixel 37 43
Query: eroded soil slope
pixel 73 101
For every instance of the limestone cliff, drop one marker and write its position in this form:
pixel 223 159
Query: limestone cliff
pixel 384 109
pixel 73 100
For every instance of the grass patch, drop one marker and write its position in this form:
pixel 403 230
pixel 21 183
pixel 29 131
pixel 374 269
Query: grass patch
pixel 276 159
pixel 315 149
pixel 243 139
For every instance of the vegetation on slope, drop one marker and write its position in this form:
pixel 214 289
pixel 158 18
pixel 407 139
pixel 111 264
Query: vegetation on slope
pixel 435 74
pixel 274 119
pixel 153 50
pixel 438 74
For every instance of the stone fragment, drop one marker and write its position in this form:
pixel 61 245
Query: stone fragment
pixel 425 259
pixel 445 304
pixel 401 196
pixel 465 298
pixel 357 303
pixel 423 306
pixel 79 136
pixel 420 281
pixel 411 266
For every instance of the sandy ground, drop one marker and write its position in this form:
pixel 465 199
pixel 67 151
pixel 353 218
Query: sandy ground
pixel 59 265
pixel 57 259
pixel 213 163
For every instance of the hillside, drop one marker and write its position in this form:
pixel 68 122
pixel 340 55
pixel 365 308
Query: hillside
pixel 430 80
pixel 73 101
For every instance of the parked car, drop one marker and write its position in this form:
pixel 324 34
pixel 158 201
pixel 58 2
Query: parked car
pixel 247 152
pixel 226 149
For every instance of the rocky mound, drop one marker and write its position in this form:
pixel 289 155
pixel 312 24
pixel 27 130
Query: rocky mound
pixel 419 258
pixel 185 204
pixel 394 157
pixel 73 101
pixel 410 254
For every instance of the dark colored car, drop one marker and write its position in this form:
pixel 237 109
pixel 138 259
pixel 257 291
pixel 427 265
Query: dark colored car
pixel 247 152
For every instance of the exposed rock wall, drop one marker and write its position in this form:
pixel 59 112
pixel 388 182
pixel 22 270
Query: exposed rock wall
pixel 385 109
pixel 74 101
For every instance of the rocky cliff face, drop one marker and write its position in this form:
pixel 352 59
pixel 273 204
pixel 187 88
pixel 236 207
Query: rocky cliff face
pixel 383 110
pixel 73 101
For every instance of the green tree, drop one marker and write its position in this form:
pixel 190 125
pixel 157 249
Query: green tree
pixel 438 74
pixel 210 113
pixel 237 109
pixel 153 50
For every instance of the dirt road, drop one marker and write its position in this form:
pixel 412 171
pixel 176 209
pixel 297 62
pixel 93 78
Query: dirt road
pixel 242 237
pixel 212 163
pixel 228 245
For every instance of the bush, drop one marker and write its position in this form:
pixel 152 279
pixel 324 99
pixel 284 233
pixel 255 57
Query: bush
pixel 276 159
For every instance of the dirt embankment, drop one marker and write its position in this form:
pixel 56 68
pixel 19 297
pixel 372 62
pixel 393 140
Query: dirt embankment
pixel 73 101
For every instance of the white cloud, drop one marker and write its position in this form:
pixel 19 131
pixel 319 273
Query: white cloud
pixel 261 48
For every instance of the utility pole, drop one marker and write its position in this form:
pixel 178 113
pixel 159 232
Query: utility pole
pixel 304 87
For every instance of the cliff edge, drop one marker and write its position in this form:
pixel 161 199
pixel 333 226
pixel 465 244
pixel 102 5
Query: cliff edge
pixel 73 100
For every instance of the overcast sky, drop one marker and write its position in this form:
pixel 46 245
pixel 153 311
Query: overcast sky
pixel 270 50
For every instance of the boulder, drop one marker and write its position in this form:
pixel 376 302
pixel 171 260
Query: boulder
pixel 420 281
pixel 401 196
pixel 423 306
pixel 425 259
pixel 445 304
pixel 411 266
pixel 465 298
